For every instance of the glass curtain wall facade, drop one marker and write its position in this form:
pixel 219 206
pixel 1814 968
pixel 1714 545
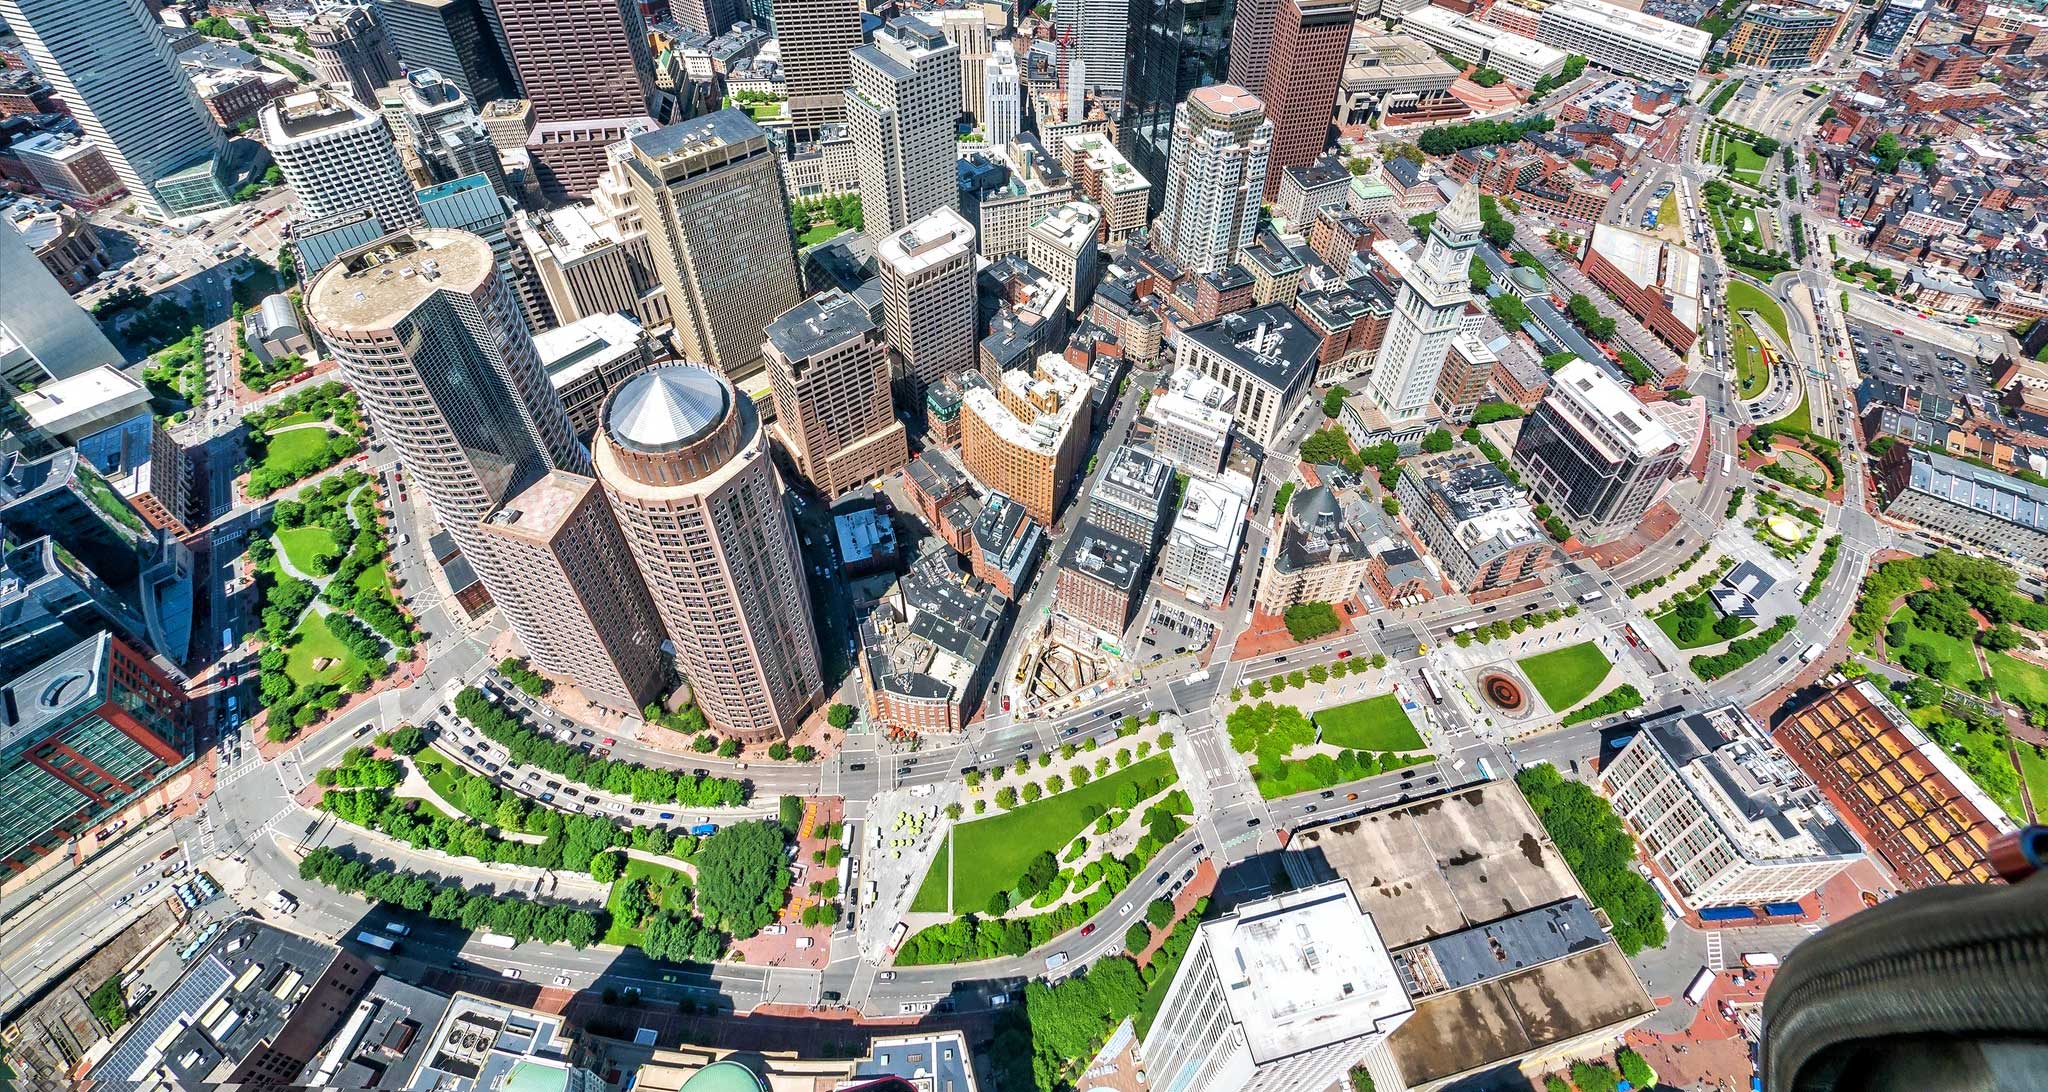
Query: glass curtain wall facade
pixel 1175 47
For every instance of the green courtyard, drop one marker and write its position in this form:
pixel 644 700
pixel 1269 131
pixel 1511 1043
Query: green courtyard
pixel 2018 679
pixel 1748 352
pixel 1373 724
pixel 1566 676
pixel 990 855
pixel 1961 655
pixel 1744 296
pixel 311 643
pixel 304 546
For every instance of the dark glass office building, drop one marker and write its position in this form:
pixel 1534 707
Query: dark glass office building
pixel 1175 47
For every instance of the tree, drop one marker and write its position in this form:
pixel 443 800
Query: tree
pixel 1308 621
pixel 1438 441
pixel 604 868
pixel 741 879
pixel 1006 797
pixel 1333 402
pixel 790 809
pixel 999 904
pixel 839 715
pixel 1634 1069
pixel 1281 497
pixel 1511 312
pixel 108 1004
pixel 1329 445
pixel 1137 937
pixel 1592 1078
pixel 1159 912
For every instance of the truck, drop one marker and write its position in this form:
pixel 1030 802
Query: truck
pixel 704 830
pixel 377 941
pixel 1759 959
pixel 1701 982
pixel 1591 597
pixel 897 934
pixel 1055 961
pixel 398 928
pixel 1199 676
pixel 282 902
pixel 1812 651
pixel 496 940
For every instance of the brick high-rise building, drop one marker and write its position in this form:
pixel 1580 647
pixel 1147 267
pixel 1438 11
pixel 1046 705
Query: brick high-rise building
pixel 818 38
pixel 717 223
pixel 1303 67
pixel 684 461
pixel 586 67
pixel 1025 435
pixel 431 339
pixel 928 296
pixel 830 366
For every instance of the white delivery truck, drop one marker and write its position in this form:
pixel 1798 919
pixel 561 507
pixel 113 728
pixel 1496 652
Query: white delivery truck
pixel 282 902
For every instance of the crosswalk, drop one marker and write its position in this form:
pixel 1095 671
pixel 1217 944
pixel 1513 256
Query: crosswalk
pixel 1717 958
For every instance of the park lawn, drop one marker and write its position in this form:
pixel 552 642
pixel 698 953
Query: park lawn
pixel 931 895
pixel 1372 724
pixel 1749 360
pixel 2018 679
pixel 1566 676
pixel 2034 771
pixel 618 931
pixel 440 775
pixel 303 417
pixel 989 855
pixel 303 544
pixel 1298 776
pixel 311 642
pixel 819 234
pixel 1962 659
pixel 294 447
pixel 1668 622
pixel 375 578
pixel 1800 420
pixel 1667 211
pixel 1743 296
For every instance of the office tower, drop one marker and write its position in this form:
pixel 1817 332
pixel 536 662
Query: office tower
pixel 337 155
pixel 1176 47
pixel 1023 433
pixel 903 108
pixel 44 333
pixel 1305 61
pixel 1106 179
pixel 1625 40
pixel 1594 452
pixel 1285 992
pixel 1101 578
pixel 431 340
pixel 454 38
pixel 587 359
pixel 1477 523
pixel 928 296
pixel 684 461
pixel 349 46
pixel 1002 97
pixel 111 63
pixel 443 130
pixel 1098 32
pixel 576 572
pixel 586 67
pixel 1063 245
pixel 89 731
pixel 1782 35
pixel 48 603
pixel 830 367
pixel 712 17
pixel 711 200
pixel 1428 311
pixel 970 28
pixel 1201 553
pixel 818 39
pixel 64 495
pixel 469 204
pixel 1222 140
pixel 1251 39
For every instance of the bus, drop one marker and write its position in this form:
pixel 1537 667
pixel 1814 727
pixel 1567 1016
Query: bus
pixel 1727 463
pixel 496 940
pixel 227 639
pixel 1429 684
pixel 1463 627
pixel 377 941
pixel 897 934
pixel 1591 597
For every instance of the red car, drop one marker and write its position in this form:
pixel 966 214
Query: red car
pixel 610 742
pixel 1087 929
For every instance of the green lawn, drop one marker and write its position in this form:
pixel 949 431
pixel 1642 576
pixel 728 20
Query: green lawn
pixel 658 876
pixel 819 234
pixel 991 853
pixel 931 895
pixel 1744 296
pixel 288 448
pixel 2034 771
pixel 1800 420
pixel 303 544
pixel 1374 724
pixel 2018 679
pixel 1962 659
pixel 1749 360
pixel 305 417
pixel 1566 676
pixel 313 642
pixel 1668 622
pixel 375 578
pixel 1667 212
pixel 440 774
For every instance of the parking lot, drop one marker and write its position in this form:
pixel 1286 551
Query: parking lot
pixel 1895 357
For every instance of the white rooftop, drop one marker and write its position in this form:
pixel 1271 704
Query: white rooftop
pixel 1304 970
pixel 942 236
pixel 1623 22
pixel 569 353
pixel 1648 260
pixel 1212 510
pixel 64 405
pixel 1609 405
pixel 1070 226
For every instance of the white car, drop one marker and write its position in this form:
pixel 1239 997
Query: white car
pixel 1124 911
pixel 774 930
pixel 510 972
pixel 561 980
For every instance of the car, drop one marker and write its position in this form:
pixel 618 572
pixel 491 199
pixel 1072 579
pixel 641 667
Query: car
pixel 666 815
pixel 774 930
pixel 1088 929
pixel 1328 793
pixel 1124 911
pixel 1310 809
pixel 144 867
pixel 561 980
pixel 588 732
pixel 886 976
pixel 610 742
pixel 148 887
pixel 858 766
pixel 547 797
pixel 510 972
pixel 1188 875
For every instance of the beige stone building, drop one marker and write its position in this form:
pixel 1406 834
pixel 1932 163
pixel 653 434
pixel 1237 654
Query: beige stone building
pixel 928 296
pixel 830 368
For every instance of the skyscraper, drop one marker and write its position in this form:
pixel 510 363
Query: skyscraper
pixel 1062 243
pixel 1002 97
pixel 586 67
pixel 1282 993
pixel 1221 141
pixel 349 46
pixel 1594 452
pixel 337 154
pixel 1251 38
pixel 830 366
pixel 710 197
pixel 684 462
pixel 928 296
pixel 456 39
pixel 713 17
pixel 818 38
pixel 442 126
pixel 1097 31
pixel 111 63
pixel 430 339
pixel 57 338
pixel 972 28
pixel 1303 65
pixel 903 108
pixel 1434 291
pixel 1174 47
